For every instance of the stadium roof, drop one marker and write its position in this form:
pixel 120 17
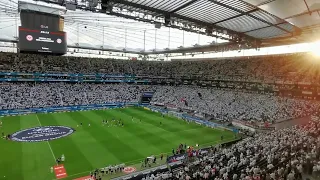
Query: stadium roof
pixel 219 25
pixel 233 17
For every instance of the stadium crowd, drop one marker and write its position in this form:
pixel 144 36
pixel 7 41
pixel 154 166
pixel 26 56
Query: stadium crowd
pixel 287 154
pixel 31 95
pixel 294 68
pixel 230 105
pixel 276 155
pixel 222 105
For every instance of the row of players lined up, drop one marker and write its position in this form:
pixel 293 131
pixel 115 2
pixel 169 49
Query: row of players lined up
pixel 114 122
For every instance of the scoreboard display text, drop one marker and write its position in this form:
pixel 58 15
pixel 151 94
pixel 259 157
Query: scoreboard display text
pixel 42 41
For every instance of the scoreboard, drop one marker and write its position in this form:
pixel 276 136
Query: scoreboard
pixel 42 41
pixel 41 32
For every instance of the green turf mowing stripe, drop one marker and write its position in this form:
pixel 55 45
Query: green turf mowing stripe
pixel 110 139
pixel 131 134
pixel 76 160
pixel 101 144
pixel 37 158
pixel 187 132
pixel 148 133
pixel 168 123
pixel 189 136
pixel 10 152
pixel 191 132
pixel 98 146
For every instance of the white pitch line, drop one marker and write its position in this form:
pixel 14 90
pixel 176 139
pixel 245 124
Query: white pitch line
pixel 166 153
pixel 54 157
pixel 79 173
pixel 124 163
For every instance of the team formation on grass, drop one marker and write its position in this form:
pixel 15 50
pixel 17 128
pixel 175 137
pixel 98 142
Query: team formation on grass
pixel 94 140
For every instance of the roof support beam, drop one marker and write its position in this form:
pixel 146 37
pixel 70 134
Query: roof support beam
pixel 250 15
pixel 184 6
pixel 305 2
pixel 140 6
pixel 172 26
pixel 254 10
pixel 301 14
pixel 143 7
pixel 263 3
pixel 264 27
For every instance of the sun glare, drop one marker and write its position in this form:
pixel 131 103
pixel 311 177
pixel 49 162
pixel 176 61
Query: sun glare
pixel 315 48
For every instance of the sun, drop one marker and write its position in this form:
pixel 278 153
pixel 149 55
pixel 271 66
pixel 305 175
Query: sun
pixel 316 53
pixel 315 48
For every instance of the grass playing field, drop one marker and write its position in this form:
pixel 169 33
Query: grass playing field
pixel 96 146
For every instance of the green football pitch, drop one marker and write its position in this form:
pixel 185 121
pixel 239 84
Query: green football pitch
pixel 97 146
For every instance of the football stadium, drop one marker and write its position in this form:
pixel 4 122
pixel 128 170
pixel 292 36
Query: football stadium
pixel 159 89
pixel 96 144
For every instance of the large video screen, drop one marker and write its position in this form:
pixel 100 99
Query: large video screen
pixel 38 20
pixel 42 41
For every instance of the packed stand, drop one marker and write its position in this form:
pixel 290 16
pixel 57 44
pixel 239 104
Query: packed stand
pixel 292 68
pixel 230 105
pixel 286 154
pixel 218 104
pixel 30 95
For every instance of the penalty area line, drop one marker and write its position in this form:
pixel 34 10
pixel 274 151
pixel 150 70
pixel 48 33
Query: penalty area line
pixel 54 157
